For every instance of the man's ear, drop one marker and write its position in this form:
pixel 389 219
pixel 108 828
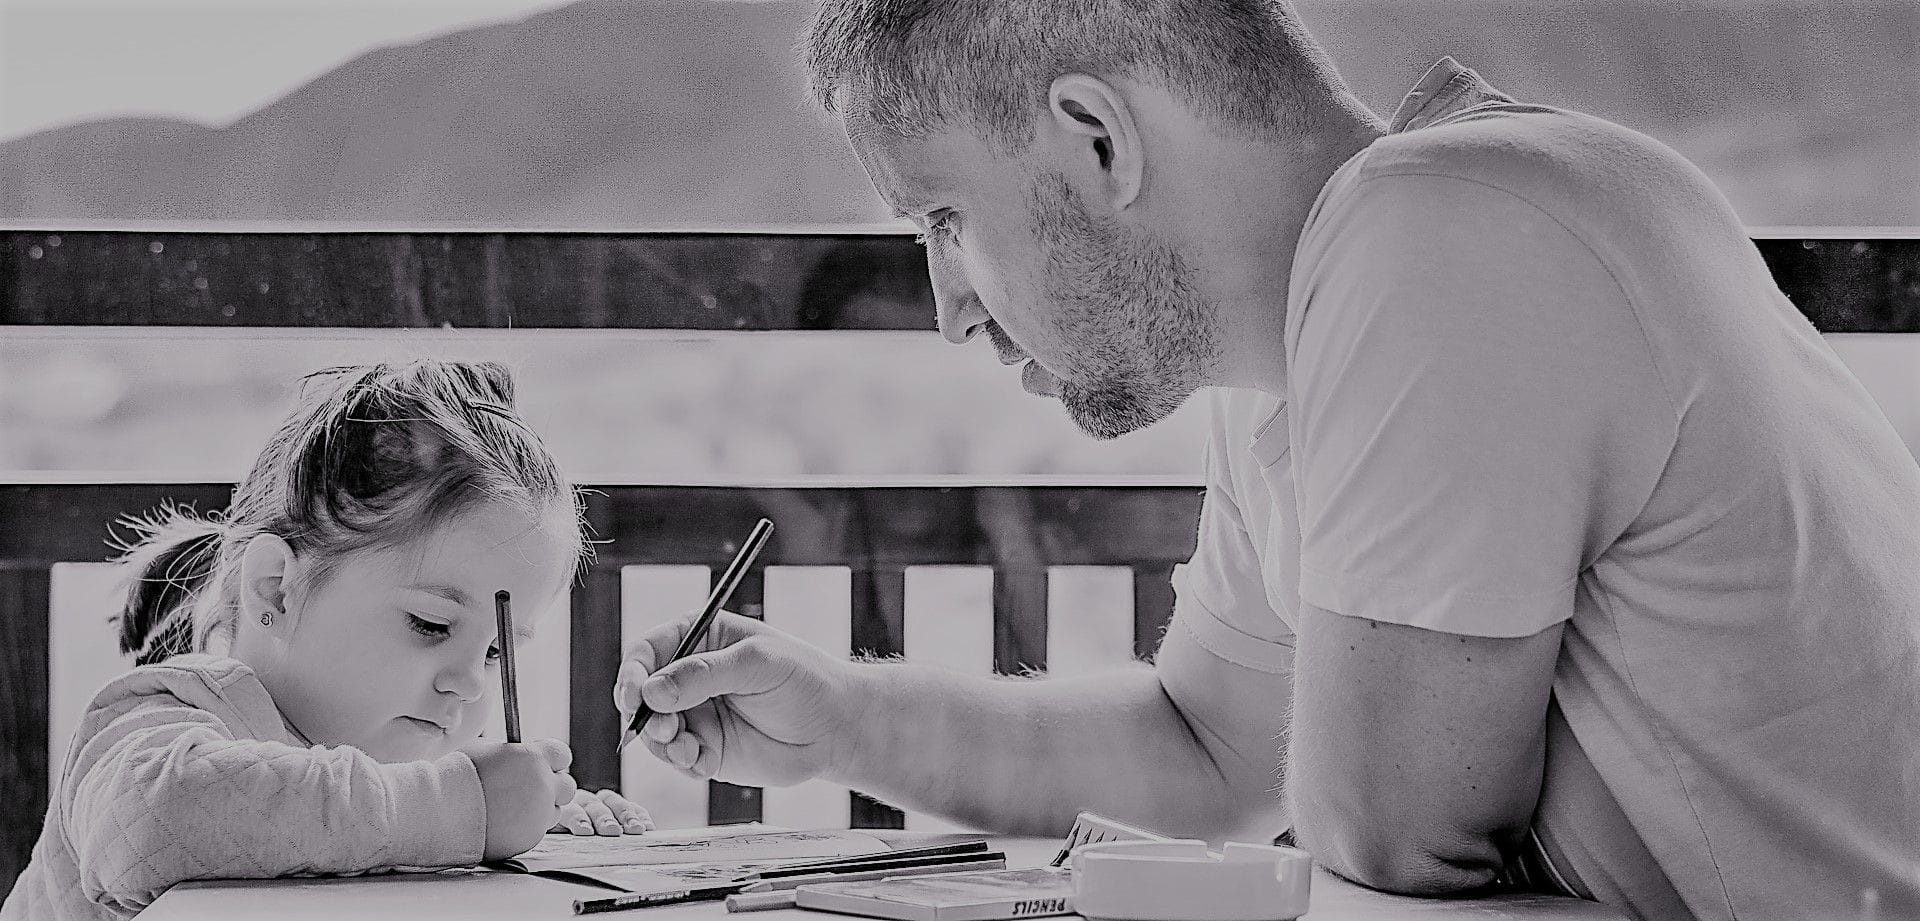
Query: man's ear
pixel 1103 140
pixel 265 570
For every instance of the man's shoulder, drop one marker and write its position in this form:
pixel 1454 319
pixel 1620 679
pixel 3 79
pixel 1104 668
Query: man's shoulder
pixel 1560 161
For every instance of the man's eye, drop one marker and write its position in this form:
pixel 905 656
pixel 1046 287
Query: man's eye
pixel 942 227
pixel 426 627
pixel 493 653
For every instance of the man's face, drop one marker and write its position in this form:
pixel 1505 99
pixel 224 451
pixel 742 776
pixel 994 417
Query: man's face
pixel 1105 313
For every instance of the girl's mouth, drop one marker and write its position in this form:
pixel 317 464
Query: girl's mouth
pixel 427 726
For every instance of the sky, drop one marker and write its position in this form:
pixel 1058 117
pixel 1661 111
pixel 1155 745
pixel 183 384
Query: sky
pixel 211 61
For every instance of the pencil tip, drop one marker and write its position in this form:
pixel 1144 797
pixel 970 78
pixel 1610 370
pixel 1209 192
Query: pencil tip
pixel 626 735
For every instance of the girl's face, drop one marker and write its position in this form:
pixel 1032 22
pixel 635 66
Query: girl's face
pixel 395 652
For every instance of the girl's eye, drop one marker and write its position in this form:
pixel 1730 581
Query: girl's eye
pixel 425 627
pixel 493 653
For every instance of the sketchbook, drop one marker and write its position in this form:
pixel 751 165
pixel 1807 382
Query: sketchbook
pixel 985 895
pixel 677 859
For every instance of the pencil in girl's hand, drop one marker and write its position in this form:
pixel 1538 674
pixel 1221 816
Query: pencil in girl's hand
pixel 509 686
pixel 722 590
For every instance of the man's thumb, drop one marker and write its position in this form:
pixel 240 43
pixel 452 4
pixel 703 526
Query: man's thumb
pixel 742 668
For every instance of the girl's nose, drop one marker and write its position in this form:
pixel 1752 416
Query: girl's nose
pixel 465 679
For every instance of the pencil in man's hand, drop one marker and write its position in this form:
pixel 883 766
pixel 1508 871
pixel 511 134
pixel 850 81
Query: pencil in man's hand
pixel 509 686
pixel 722 590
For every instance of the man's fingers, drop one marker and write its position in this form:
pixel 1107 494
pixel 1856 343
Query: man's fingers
pixel 746 667
pixel 683 751
pixel 662 727
pixel 659 751
pixel 626 688
pixel 703 724
pixel 648 654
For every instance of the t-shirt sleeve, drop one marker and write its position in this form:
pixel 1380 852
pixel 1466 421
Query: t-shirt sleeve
pixel 1478 415
pixel 1226 662
pixel 1220 599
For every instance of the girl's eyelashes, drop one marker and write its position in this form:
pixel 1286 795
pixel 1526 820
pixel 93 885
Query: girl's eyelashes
pixel 430 628
pixel 434 629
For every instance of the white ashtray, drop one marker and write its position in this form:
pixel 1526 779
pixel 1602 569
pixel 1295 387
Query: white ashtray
pixel 1183 881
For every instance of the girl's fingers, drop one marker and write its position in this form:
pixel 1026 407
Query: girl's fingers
pixel 633 819
pixel 600 819
pixel 573 820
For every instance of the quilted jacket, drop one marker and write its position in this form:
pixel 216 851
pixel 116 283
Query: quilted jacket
pixel 185 770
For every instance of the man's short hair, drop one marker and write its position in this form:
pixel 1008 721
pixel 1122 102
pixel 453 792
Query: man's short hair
pixel 916 66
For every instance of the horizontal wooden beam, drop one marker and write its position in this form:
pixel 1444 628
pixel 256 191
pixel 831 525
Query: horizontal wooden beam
pixel 683 281
pixel 1007 527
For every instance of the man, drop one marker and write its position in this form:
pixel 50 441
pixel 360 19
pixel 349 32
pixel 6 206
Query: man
pixel 1543 538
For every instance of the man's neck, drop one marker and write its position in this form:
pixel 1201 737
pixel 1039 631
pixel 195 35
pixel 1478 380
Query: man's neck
pixel 1254 226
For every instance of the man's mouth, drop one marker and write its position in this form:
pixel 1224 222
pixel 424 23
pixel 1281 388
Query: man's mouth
pixel 1037 381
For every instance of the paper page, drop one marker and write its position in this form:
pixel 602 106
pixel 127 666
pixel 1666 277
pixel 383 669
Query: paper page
pixel 664 877
pixel 723 849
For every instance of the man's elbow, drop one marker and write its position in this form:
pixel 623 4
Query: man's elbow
pixel 1396 861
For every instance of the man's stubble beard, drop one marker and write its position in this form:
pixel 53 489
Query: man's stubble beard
pixel 1144 338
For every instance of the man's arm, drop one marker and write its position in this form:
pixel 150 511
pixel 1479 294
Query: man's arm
pixel 1188 748
pixel 1416 755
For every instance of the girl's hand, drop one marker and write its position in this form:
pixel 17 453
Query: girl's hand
pixel 602 813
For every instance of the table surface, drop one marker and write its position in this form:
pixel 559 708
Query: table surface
pixel 483 894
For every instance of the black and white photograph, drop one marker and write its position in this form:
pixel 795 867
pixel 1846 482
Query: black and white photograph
pixel 1225 460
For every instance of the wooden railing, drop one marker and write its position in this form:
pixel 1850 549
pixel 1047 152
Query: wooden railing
pixel 980 577
pixel 984 579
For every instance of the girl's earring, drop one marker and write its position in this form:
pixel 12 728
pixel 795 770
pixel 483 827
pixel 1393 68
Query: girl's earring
pixel 266 618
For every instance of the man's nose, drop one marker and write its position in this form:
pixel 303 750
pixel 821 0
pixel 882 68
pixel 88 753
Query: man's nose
pixel 956 307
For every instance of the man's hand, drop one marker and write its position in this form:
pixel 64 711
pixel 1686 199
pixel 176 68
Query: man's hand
pixel 525 784
pixel 755 706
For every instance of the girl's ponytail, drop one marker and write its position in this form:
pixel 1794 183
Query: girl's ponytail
pixel 171 561
pixel 372 456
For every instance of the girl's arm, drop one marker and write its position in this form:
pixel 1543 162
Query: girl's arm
pixel 162 792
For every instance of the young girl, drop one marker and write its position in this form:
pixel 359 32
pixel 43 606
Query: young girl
pixel 317 664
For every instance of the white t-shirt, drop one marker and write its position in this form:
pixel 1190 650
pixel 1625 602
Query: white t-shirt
pixel 1537 372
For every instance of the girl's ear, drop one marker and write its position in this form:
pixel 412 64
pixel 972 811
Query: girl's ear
pixel 265 568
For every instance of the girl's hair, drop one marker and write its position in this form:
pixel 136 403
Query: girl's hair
pixel 372 456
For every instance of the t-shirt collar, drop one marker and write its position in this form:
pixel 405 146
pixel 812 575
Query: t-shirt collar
pixel 1446 89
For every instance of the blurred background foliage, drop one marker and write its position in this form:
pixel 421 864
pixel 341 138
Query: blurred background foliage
pixel 689 113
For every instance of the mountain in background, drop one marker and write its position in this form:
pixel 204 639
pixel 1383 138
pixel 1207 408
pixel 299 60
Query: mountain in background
pixel 691 113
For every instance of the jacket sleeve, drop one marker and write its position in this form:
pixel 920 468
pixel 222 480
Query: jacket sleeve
pixel 161 792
